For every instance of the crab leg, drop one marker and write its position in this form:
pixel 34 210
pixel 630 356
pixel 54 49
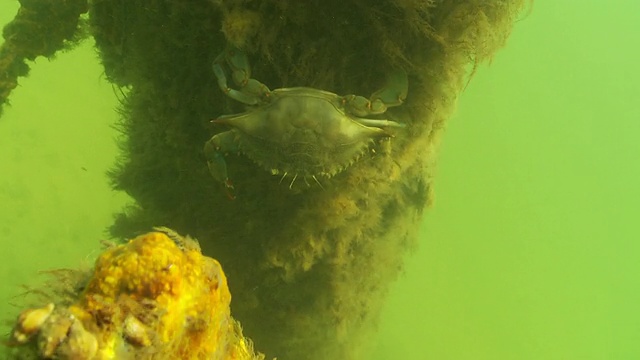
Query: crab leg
pixel 214 151
pixel 283 176
pixel 250 91
pixel 392 94
pixel 379 123
pixel 232 93
pixel 318 182
pixel 292 181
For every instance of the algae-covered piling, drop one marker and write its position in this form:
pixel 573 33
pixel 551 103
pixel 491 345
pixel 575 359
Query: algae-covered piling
pixel 40 28
pixel 309 269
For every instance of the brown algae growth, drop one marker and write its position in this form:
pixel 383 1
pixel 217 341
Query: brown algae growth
pixel 309 269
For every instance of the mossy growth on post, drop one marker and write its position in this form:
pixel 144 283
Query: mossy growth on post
pixel 308 269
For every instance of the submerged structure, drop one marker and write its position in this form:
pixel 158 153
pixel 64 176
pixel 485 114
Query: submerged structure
pixel 155 297
pixel 310 251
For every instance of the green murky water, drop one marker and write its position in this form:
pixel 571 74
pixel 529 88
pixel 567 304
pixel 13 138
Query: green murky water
pixel 530 252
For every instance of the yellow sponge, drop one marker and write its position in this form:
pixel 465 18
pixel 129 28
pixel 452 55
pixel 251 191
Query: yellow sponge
pixel 155 297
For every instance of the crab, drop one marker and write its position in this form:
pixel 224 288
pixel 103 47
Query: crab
pixel 300 132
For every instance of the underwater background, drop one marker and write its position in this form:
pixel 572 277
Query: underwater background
pixel 530 250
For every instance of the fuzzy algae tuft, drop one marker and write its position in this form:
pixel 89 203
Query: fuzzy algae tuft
pixel 155 297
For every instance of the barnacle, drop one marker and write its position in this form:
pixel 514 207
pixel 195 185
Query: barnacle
pixel 155 297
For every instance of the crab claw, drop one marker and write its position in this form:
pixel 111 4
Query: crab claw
pixel 229 189
pixel 214 150
pixel 392 94
pixel 216 163
pixel 218 169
